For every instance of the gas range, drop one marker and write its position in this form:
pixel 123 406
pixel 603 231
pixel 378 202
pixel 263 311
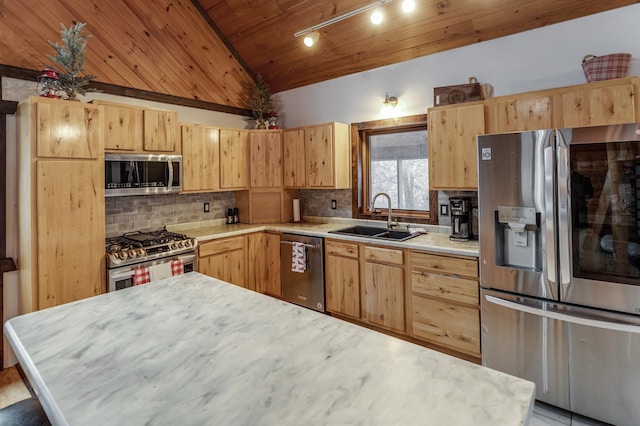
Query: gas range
pixel 142 246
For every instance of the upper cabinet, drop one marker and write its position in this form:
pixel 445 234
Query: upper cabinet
pixel 234 165
pixel 265 147
pixel 519 113
pixel 130 128
pixel 318 157
pixel 453 148
pixel 597 104
pixel 200 158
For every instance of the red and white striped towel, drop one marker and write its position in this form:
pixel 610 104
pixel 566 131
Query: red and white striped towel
pixel 146 275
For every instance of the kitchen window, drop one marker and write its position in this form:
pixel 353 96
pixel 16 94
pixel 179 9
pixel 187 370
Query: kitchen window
pixel 393 158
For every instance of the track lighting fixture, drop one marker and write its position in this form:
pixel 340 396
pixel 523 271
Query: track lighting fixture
pixel 311 38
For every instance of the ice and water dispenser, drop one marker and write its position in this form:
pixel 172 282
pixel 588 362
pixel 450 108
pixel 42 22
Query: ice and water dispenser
pixel 518 237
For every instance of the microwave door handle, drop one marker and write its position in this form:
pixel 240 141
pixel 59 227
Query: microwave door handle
pixel 170 168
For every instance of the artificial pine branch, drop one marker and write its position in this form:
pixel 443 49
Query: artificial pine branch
pixel 70 59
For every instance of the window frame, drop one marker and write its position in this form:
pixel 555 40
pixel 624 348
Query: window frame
pixel 359 133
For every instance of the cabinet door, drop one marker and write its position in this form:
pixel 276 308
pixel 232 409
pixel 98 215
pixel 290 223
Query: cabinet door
pixel 263 262
pixel 68 130
pixel 453 147
pixel 160 130
pixel 234 268
pixel 212 266
pixel 343 285
pixel 519 113
pixel 294 159
pixel 70 237
pixel 598 106
pixel 200 159
pixel 319 156
pixel 384 296
pixel 122 127
pixel 265 159
pixel 234 165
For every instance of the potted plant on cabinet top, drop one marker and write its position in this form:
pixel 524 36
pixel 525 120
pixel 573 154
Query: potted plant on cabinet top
pixel 261 102
pixel 70 59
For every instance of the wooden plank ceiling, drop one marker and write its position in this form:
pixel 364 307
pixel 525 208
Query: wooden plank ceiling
pixel 261 31
pixel 209 50
pixel 162 46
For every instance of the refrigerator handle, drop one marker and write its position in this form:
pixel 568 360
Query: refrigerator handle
pixel 564 205
pixel 556 315
pixel 549 222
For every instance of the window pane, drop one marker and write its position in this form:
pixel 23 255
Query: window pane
pixel 399 167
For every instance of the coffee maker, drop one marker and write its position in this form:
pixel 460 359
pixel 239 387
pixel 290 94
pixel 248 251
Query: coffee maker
pixel 460 208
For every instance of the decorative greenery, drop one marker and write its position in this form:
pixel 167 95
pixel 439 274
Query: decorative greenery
pixel 261 102
pixel 70 59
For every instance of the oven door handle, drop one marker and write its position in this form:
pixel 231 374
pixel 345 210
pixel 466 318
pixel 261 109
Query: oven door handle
pixel 127 273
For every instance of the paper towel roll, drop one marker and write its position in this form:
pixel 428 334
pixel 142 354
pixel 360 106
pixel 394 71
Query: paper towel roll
pixel 296 210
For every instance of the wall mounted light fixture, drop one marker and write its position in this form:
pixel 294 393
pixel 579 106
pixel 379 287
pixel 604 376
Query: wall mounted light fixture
pixel 391 101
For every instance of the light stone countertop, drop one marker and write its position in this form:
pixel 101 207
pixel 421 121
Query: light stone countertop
pixel 436 239
pixel 194 350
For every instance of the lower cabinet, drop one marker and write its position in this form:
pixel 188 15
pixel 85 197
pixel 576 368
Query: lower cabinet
pixel 445 301
pixel 224 259
pixel 383 284
pixel 263 263
pixel 342 278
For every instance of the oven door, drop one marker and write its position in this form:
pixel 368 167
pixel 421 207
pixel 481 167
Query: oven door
pixel 599 216
pixel 121 278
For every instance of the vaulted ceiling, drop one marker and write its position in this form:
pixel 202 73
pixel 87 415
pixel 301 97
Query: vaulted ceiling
pixel 211 50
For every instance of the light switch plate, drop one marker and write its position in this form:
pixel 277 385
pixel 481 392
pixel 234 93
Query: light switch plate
pixel 334 204
pixel 206 207
pixel 444 209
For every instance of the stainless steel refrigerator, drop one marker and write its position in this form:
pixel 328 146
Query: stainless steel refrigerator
pixel 559 220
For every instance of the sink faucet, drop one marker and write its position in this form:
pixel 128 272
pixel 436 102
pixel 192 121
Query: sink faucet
pixel 373 203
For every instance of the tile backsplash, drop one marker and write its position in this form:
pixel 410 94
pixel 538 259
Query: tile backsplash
pixel 148 212
pixel 317 202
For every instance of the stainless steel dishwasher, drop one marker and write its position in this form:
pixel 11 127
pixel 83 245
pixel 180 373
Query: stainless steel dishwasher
pixel 303 288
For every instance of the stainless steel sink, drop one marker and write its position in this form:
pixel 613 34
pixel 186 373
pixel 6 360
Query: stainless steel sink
pixel 376 232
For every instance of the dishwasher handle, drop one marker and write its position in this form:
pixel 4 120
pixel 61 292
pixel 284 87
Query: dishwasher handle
pixel 310 246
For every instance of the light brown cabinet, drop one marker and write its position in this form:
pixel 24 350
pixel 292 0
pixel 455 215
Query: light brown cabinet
pixel 453 155
pixel 445 301
pixel 326 154
pixel 61 202
pixel 234 159
pixel 342 278
pixel 200 158
pixel 224 259
pixel 383 288
pixel 263 263
pixel 519 113
pixel 597 105
pixel 265 147
pixel 131 128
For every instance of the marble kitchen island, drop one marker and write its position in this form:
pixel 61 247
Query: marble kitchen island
pixel 193 350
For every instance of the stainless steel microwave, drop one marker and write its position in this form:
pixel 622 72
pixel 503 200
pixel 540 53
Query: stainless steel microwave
pixel 142 174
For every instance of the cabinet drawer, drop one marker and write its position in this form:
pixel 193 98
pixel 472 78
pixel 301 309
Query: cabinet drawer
pixel 444 287
pixel 446 324
pixel 339 248
pixel 444 264
pixel 210 248
pixel 383 255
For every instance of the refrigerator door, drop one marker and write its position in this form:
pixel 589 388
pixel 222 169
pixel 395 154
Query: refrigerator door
pixel 521 343
pixel 516 209
pixel 559 347
pixel 598 190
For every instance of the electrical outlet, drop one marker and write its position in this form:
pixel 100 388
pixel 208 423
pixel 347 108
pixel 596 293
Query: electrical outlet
pixel 206 207
pixel 334 204
pixel 444 209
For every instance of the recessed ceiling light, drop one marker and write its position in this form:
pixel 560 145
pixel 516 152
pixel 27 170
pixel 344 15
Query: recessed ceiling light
pixel 376 17
pixel 408 6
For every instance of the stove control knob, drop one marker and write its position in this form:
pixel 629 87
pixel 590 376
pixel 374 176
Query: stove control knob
pixel 194 242
pixel 180 244
pixel 140 252
pixel 122 255
pixel 132 254
pixel 187 243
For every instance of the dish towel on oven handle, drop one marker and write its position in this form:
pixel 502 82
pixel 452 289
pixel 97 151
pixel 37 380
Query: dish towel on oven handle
pixel 298 257
pixel 151 273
